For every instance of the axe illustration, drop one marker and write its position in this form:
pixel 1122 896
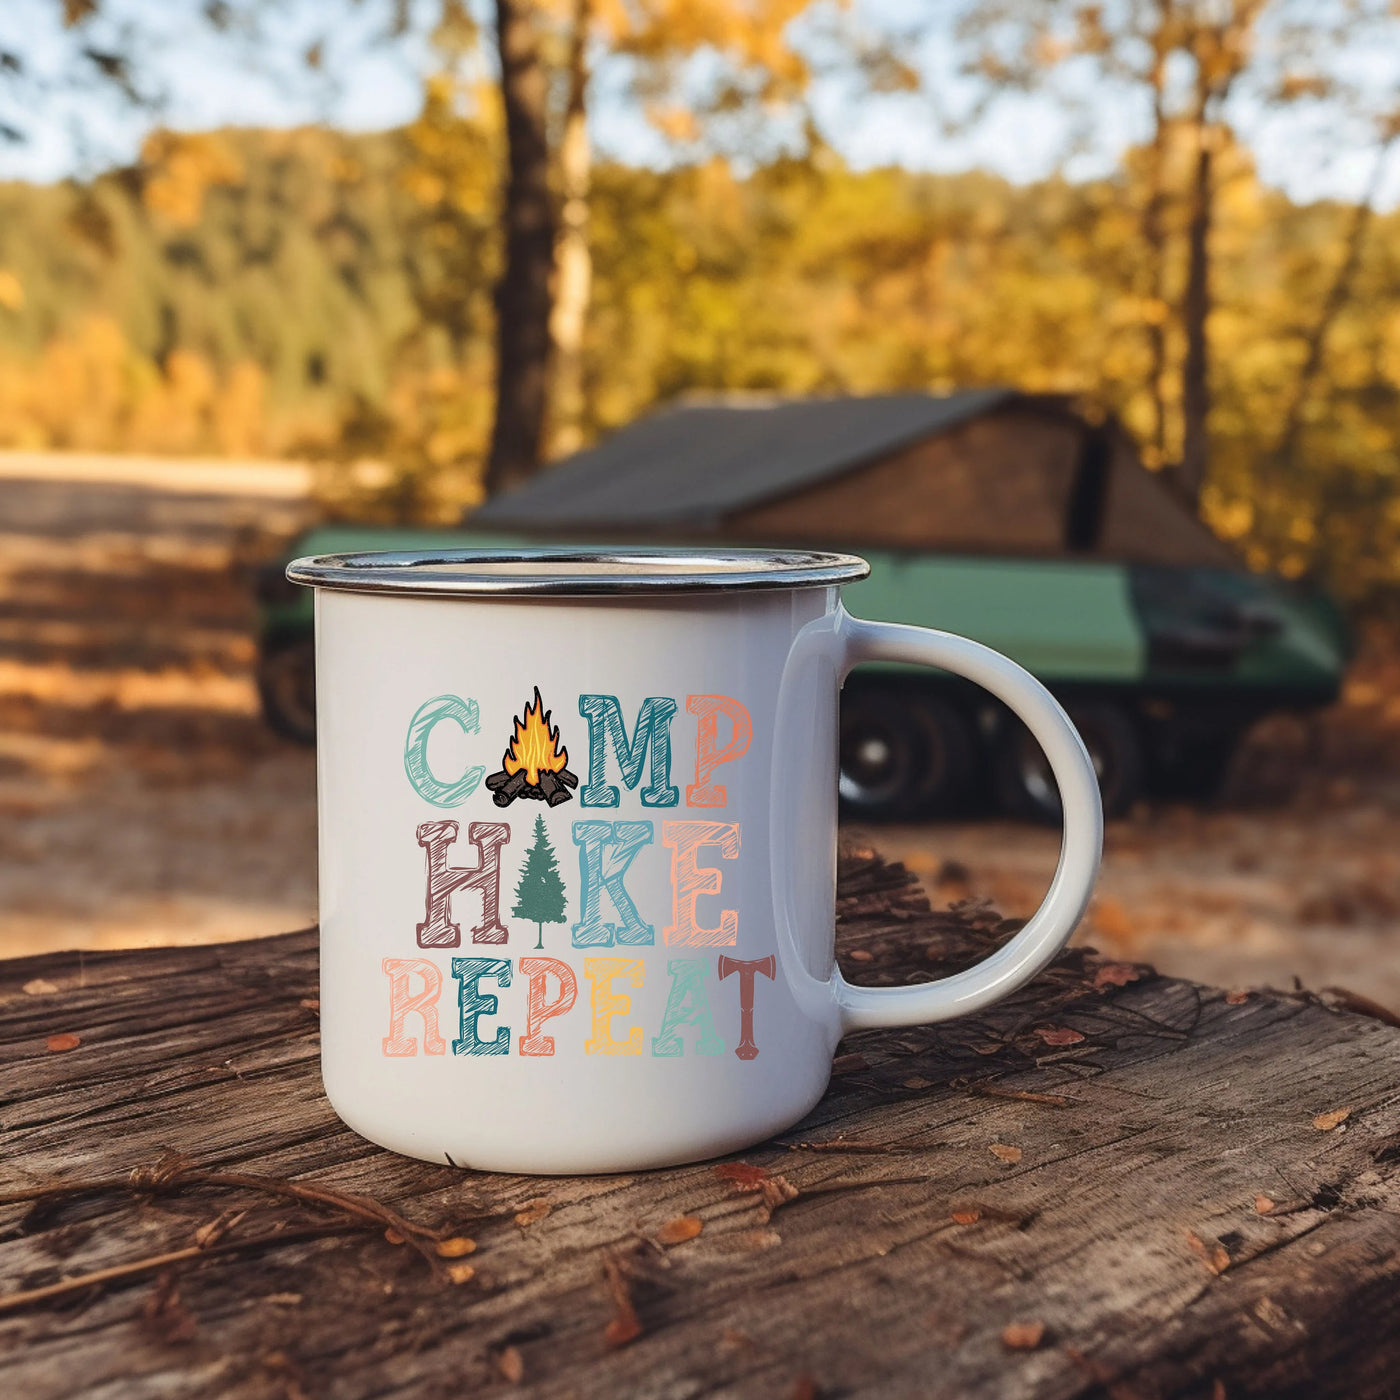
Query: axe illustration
pixel 747 1049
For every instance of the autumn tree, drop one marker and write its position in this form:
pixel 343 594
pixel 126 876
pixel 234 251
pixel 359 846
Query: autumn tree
pixel 573 261
pixel 757 70
pixel 1188 58
pixel 1218 38
pixel 1338 294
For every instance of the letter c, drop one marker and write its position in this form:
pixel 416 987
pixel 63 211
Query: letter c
pixel 415 752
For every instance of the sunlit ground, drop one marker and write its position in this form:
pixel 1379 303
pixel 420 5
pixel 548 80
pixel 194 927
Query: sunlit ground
pixel 1231 899
pixel 142 800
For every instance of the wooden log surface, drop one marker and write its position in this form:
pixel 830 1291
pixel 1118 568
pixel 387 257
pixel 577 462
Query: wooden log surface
pixel 1114 1184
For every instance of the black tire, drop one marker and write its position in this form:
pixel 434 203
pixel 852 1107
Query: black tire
pixel 287 688
pixel 1025 787
pixel 950 754
pixel 902 755
pixel 1196 771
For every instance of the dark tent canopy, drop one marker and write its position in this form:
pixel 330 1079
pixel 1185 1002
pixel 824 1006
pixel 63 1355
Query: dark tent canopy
pixel 985 471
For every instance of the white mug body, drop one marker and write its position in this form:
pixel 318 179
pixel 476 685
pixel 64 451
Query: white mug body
pixel 604 1089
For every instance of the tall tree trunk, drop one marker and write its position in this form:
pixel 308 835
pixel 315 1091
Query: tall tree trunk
pixel 1195 314
pixel 1221 51
pixel 1337 296
pixel 523 292
pixel 1155 238
pixel 573 264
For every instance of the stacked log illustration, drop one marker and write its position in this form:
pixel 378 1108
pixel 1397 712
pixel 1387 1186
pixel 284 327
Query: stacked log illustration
pixel 535 764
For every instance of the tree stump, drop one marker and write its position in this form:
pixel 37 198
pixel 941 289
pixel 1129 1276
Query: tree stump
pixel 1113 1184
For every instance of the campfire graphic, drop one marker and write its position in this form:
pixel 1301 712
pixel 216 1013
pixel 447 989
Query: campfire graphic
pixel 535 763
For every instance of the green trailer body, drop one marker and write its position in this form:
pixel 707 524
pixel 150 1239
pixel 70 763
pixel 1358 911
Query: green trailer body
pixel 1061 622
pixel 1015 519
pixel 1164 667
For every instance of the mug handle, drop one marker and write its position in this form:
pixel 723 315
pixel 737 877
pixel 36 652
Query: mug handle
pixel 1048 930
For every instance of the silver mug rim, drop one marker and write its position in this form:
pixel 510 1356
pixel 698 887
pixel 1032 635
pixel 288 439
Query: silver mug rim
pixel 563 571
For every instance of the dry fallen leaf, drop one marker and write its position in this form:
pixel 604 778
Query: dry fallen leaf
pixel 1263 1204
pixel 1214 1255
pixel 393 1236
pixel 917 1081
pixel 65 1041
pixel 39 987
pixel 1325 1122
pixel 511 1364
pixel 967 1217
pixel 1059 1035
pixel 861 955
pixel 679 1230
pixel 1004 1152
pixel 532 1212
pixel 455 1247
pixel 744 1175
pixel 625 1326
pixel 775 1190
pixel 461 1273
pixel 283 1300
pixel 309 1004
pixel 1023 1336
pixel 1238 997
pixel 1116 974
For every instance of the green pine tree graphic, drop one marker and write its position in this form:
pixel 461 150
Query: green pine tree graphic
pixel 539 896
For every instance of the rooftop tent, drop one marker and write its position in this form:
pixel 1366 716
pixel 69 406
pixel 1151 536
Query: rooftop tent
pixel 989 471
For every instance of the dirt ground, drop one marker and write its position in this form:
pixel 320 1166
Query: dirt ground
pixel 142 801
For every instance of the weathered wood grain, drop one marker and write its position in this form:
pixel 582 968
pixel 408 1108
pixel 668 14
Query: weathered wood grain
pixel 1128 1227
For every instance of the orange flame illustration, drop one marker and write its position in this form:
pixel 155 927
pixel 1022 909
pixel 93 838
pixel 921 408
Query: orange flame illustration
pixel 535 746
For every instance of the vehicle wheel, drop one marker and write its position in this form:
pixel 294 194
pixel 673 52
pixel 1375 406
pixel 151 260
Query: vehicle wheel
pixel 902 755
pixel 950 754
pixel 287 688
pixel 1025 787
pixel 1196 771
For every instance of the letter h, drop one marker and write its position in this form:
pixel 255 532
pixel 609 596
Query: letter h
pixel 437 929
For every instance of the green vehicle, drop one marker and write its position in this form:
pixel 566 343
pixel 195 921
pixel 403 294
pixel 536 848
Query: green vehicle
pixel 1000 516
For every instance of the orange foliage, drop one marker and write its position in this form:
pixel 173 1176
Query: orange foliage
pixel 91 390
pixel 179 168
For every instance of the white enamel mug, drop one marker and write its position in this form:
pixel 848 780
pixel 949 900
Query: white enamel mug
pixel 578 848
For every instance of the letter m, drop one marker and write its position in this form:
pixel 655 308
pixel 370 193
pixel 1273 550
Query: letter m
pixel 653 731
pixel 437 929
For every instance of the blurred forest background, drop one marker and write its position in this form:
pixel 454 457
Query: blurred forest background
pixel 424 247
pixel 315 293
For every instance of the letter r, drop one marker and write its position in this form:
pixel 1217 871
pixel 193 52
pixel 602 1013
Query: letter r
pixel 402 1005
